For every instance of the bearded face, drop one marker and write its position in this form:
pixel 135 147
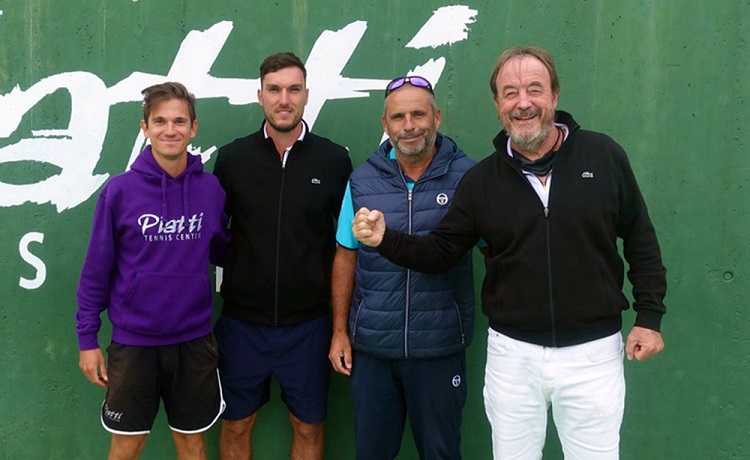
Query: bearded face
pixel 525 102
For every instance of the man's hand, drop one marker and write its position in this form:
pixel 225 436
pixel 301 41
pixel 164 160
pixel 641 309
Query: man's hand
pixel 341 353
pixel 643 343
pixel 368 227
pixel 93 366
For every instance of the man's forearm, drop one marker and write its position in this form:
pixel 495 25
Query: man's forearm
pixel 342 286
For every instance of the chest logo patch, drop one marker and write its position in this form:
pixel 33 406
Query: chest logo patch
pixel 587 175
pixel 442 199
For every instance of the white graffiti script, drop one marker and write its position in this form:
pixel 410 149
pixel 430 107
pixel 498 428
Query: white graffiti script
pixel 76 149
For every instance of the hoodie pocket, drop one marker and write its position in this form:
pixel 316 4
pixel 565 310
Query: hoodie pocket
pixel 174 303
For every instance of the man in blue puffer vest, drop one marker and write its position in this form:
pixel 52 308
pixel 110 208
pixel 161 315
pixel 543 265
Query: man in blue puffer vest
pixel 409 330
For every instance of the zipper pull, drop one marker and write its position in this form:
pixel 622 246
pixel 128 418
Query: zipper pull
pixel 284 157
pixel 546 212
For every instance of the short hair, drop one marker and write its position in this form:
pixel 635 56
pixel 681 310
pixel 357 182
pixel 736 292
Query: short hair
pixel 278 61
pixel 534 51
pixel 166 91
pixel 431 96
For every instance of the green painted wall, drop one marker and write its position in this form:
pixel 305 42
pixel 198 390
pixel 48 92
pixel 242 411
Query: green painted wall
pixel 666 78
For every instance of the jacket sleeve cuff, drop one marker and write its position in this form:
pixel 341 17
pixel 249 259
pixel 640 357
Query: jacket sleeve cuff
pixel 388 244
pixel 87 342
pixel 649 319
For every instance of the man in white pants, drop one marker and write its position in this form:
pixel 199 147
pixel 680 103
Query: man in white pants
pixel 553 286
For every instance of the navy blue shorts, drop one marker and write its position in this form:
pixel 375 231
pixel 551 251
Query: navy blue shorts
pixel 296 355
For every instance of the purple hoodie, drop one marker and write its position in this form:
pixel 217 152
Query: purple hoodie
pixel 148 258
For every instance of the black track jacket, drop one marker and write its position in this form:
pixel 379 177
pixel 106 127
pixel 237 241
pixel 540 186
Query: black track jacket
pixel 277 269
pixel 554 276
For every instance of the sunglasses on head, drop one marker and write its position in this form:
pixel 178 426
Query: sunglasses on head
pixel 419 82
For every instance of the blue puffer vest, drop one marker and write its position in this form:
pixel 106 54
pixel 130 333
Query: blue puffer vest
pixel 398 313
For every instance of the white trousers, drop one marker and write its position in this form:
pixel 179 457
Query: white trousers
pixel 584 384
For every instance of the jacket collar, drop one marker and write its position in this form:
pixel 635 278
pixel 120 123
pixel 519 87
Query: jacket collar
pixel 501 140
pixel 447 151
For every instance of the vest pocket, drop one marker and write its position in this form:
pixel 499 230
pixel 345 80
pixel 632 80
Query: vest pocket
pixel 353 327
pixel 459 322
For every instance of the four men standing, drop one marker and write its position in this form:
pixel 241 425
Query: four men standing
pixel 552 289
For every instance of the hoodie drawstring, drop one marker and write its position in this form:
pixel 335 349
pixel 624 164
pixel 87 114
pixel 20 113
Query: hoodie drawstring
pixel 186 194
pixel 163 196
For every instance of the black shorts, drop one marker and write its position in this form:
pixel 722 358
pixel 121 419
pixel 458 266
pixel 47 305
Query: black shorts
pixel 183 375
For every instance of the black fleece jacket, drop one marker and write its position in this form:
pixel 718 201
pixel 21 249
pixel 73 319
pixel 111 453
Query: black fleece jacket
pixel 554 276
pixel 277 269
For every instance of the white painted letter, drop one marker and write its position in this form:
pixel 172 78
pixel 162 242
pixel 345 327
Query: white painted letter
pixel 31 259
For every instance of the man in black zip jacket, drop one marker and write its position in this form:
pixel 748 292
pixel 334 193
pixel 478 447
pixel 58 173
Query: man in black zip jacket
pixel 284 188
pixel 550 203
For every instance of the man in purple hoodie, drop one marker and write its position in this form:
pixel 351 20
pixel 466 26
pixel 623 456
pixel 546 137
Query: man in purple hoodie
pixel 148 265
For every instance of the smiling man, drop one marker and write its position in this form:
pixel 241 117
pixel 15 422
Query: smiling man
pixel 284 188
pixel 409 330
pixel 154 230
pixel 551 202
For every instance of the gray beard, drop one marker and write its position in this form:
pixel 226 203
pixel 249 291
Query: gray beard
pixel 531 142
pixel 419 150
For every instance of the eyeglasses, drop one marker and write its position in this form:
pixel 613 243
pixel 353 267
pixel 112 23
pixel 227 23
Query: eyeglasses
pixel 419 82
